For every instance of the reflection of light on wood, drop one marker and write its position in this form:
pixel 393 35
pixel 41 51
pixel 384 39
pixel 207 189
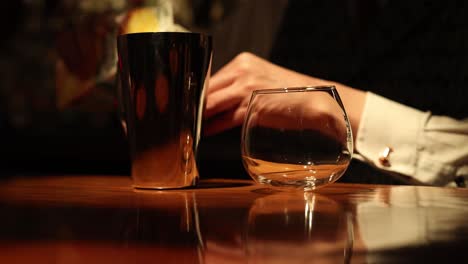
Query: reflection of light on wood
pixel 309 212
pixel 306 226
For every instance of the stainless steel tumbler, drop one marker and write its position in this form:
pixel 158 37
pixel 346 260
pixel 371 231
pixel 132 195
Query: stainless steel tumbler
pixel 163 77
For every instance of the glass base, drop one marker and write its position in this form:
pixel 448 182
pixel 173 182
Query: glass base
pixel 159 186
pixel 305 185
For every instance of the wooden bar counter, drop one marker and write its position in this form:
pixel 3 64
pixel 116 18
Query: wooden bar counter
pixel 102 219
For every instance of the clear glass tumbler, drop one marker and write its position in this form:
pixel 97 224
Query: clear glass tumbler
pixel 296 137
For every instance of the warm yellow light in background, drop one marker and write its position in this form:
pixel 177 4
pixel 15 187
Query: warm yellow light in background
pixel 141 20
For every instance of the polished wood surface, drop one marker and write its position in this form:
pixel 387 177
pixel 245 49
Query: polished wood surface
pixel 102 219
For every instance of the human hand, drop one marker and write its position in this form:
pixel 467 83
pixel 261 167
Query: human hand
pixel 299 109
pixel 230 88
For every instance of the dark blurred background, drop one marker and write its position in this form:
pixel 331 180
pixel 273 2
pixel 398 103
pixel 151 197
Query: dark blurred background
pixel 58 106
pixel 42 129
pixel 58 103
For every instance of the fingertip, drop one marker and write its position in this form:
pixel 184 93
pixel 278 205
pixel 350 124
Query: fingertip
pixel 209 110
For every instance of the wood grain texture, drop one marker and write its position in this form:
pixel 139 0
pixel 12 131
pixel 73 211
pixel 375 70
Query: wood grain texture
pixel 103 219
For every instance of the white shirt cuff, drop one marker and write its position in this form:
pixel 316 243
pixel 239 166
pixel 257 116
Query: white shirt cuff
pixel 388 124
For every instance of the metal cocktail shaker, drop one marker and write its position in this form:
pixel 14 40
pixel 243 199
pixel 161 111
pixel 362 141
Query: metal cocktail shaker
pixel 163 77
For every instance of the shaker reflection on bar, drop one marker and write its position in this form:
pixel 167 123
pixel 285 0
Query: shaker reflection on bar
pixel 163 77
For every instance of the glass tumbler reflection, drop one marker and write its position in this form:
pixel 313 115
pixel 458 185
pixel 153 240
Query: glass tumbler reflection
pixel 296 137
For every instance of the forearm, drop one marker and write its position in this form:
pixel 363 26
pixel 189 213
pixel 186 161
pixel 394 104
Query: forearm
pixel 353 100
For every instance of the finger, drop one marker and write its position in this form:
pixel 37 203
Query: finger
pixel 225 121
pixel 222 100
pixel 221 80
pixel 227 74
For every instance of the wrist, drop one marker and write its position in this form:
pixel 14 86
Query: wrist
pixel 353 101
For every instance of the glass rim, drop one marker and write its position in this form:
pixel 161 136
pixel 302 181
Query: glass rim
pixel 295 89
pixel 163 33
